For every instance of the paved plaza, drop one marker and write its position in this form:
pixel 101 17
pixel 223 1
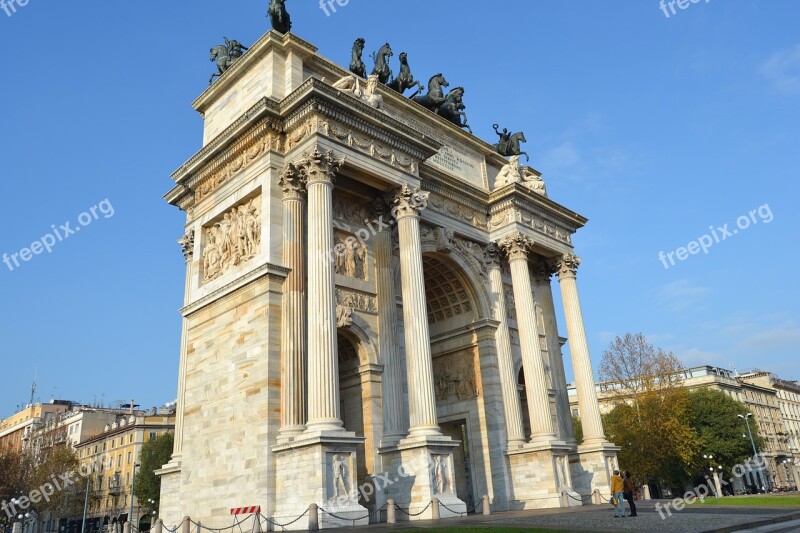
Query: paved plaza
pixel 601 519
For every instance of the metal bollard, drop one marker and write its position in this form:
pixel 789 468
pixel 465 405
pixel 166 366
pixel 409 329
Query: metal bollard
pixel 186 525
pixel 486 508
pixel 313 517
pixel 435 515
pixel 158 527
pixel 391 512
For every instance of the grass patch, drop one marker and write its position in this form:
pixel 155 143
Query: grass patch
pixel 755 501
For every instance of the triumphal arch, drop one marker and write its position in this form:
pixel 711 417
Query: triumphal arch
pixel 368 309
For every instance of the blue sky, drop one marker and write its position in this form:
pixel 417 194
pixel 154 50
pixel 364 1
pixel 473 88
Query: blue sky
pixel 653 127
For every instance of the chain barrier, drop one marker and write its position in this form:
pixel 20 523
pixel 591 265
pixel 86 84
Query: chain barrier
pixel 231 528
pixel 406 511
pixel 284 526
pixel 458 512
pixel 353 520
pixel 601 496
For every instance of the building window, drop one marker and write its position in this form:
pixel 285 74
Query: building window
pixel 130 457
pixel 119 461
pixel 152 435
pixel 575 413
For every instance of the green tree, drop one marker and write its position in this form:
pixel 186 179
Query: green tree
pixel 155 454
pixel 577 427
pixel 721 433
pixel 649 418
pixel 13 483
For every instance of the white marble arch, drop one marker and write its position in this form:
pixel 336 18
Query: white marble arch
pixel 359 334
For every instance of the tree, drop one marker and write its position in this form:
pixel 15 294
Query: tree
pixel 49 465
pixel 649 418
pixel 577 427
pixel 155 454
pixel 12 479
pixel 721 433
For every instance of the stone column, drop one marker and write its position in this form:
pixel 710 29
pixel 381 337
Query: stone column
pixel 567 268
pixel 408 203
pixel 517 247
pixel 393 429
pixel 293 324
pixel 505 361
pixel 544 295
pixel 187 247
pixel 319 170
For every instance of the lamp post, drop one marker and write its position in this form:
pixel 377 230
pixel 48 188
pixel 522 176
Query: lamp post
pixel 133 488
pixel 86 503
pixel 717 488
pixel 761 476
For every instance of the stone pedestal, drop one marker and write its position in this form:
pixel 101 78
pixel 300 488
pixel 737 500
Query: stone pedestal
pixel 592 467
pixel 420 469
pixel 540 474
pixel 318 469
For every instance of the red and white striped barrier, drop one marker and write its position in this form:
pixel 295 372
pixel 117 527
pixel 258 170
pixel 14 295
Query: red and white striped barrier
pixel 246 510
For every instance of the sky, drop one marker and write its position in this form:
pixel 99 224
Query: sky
pixel 661 128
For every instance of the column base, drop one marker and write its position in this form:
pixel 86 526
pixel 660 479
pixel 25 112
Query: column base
pixel 592 467
pixel 170 502
pixel 540 473
pixel 420 469
pixel 318 467
pixel 289 433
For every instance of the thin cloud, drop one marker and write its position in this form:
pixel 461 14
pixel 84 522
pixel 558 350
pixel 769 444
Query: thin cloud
pixel 681 295
pixel 783 70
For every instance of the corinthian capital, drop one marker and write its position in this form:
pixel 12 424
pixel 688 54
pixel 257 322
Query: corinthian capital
pixel 409 202
pixel 494 255
pixel 292 182
pixel 319 167
pixel 567 265
pixel 542 271
pixel 516 246
pixel 187 245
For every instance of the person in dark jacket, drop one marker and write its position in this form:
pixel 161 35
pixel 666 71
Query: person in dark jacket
pixel 629 487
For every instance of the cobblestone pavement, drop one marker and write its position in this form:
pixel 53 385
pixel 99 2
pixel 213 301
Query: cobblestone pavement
pixel 601 519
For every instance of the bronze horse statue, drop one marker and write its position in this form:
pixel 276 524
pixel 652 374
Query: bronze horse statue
pixel 225 56
pixel 435 96
pixel 453 109
pixel 381 58
pixel 405 80
pixel 281 21
pixel 509 144
pixel 357 66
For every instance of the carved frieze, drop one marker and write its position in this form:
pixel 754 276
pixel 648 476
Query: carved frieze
pixel 232 240
pixel 356 300
pixel 235 159
pixel 511 215
pixel 455 210
pixel 455 375
pixel 375 149
pixel 352 210
pixel 511 306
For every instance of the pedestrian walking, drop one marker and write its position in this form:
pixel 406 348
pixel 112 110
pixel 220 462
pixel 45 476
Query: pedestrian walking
pixel 617 489
pixel 629 489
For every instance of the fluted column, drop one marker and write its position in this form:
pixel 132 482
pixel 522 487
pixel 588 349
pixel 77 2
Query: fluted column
pixel 392 381
pixel 319 170
pixel 293 325
pixel 544 295
pixel 567 268
pixel 517 247
pixel 408 203
pixel 505 360
pixel 187 247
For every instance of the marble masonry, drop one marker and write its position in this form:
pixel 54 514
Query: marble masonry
pixel 368 310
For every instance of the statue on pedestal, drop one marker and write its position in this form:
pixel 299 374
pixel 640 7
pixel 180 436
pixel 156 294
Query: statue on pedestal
pixel 352 85
pixel 281 21
pixel 357 66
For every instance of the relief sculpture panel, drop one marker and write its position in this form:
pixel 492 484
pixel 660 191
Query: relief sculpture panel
pixel 455 375
pixel 233 240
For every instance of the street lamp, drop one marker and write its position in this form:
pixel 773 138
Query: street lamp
pixel 746 419
pixel 133 488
